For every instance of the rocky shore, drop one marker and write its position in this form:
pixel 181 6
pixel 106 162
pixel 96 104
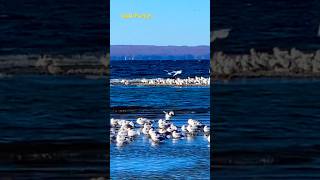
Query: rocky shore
pixel 279 63
pixel 86 65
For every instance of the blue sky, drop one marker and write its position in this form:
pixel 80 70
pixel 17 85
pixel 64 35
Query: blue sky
pixel 173 22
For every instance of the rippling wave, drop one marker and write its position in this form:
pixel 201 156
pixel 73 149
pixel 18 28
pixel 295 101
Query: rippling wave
pixel 266 128
pixel 59 160
pixel 150 109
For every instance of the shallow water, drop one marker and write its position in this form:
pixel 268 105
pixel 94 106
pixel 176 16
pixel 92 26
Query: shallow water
pixel 171 159
pixel 157 68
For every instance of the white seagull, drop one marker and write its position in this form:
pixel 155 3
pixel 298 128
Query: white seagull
pixel 206 129
pixel 174 73
pixel 168 115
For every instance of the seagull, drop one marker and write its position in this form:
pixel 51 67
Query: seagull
pixel 220 34
pixel 132 133
pixel 176 135
pixel 114 122
pixel 183 128
pixel 168 115
pixel 206 129
pixel 174 73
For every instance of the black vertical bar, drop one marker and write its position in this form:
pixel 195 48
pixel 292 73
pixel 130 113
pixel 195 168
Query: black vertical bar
pixel 212 132
pixel 108 110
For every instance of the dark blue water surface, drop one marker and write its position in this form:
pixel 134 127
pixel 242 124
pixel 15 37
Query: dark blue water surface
pixel 52 127
pixel 57 108
pixel 173 159
pixel 266 24
pixel 53 26
pixel 157 68
pixel 266 129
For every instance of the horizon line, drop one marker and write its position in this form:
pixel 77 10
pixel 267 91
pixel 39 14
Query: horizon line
pixel 156 45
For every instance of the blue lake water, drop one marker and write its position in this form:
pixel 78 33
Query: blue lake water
pixel 188 157
pixel 48 128
pixel 266 129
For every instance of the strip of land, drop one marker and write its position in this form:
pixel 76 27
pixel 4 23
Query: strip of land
pixel 87 65
pixel 289 63
pixel 194 81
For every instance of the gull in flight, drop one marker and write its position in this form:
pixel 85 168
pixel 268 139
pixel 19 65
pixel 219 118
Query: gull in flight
pixel 174 73
pixel 220 34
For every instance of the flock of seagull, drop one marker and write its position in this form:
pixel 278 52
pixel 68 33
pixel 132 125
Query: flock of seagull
pixel 123 132
pixel 196 81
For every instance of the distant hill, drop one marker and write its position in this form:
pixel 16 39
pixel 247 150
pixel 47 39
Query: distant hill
pixel 148 52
